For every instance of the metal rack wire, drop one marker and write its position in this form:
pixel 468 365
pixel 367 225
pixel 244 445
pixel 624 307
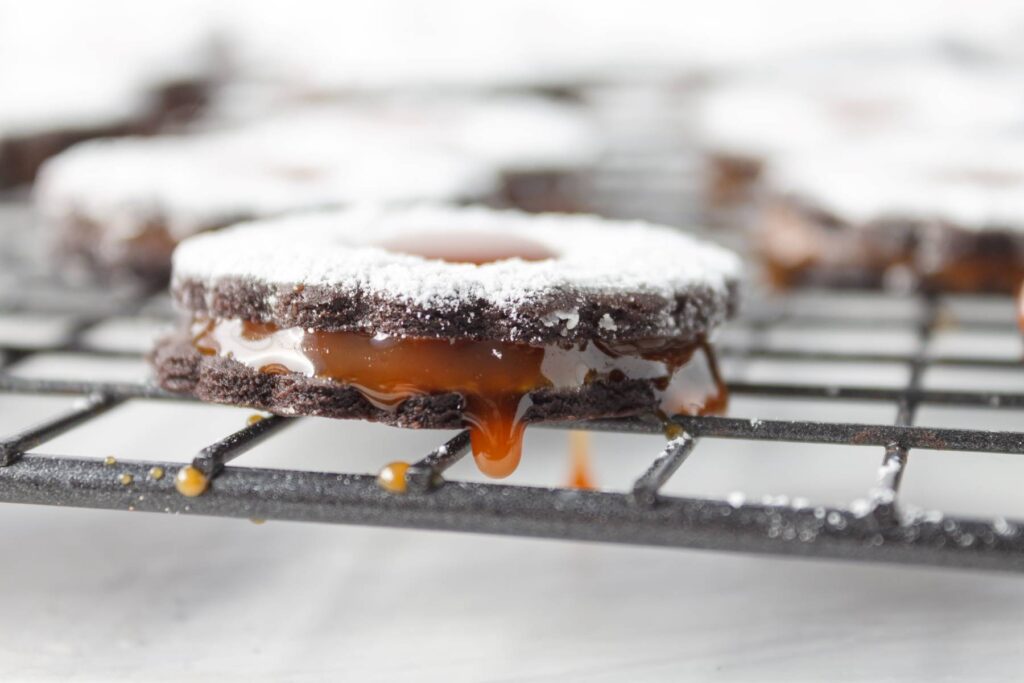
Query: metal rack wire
pixel 879 529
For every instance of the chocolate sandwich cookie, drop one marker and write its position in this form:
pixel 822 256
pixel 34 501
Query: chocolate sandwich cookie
pixel 26 144
pixel 747 125
pixel 907 213
pixel 538 147
pixel 448 318
pixel 61 83
pixel 118 207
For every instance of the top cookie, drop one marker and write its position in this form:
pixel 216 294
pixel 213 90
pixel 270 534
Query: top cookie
pixel 377 271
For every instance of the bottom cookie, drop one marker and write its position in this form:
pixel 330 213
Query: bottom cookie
pixel 802 246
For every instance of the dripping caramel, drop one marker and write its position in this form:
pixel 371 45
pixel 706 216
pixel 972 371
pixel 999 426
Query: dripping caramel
pixel 580 475
pixel 494 378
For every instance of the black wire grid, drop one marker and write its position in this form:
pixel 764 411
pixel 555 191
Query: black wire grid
pixel 877 530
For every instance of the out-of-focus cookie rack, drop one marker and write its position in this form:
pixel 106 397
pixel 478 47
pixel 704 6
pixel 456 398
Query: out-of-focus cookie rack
pixel 877 527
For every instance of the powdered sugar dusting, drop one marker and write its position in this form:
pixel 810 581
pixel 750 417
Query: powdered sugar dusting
pixel 303 161
pixel 338 249
pixel 976 185
pixel 60 73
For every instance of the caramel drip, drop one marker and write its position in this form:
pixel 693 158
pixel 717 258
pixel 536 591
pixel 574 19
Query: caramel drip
pixel 495 379
pixel 580 474
pixel 469 247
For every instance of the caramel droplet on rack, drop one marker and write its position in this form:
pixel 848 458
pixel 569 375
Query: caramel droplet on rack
pixel 253 419
pixel 672 430
pixel 126 479
pixel 190 482
pixel 156 473
pixel 392 477
pixel 110 461
pixel 580 471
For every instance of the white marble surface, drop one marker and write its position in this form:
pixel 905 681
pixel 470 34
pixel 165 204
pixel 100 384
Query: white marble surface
pixel 115 596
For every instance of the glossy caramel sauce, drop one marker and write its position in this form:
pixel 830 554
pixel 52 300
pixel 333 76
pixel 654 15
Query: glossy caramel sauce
pixel 469 247
pixel 495 379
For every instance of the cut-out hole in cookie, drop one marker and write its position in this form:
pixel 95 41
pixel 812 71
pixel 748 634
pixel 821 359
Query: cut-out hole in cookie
pixel 469 247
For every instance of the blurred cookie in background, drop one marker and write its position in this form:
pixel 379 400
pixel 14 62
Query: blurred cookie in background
pixel 747 124
pixel 117 208
pixel 539 146
pixel 72 71
pixel 906 213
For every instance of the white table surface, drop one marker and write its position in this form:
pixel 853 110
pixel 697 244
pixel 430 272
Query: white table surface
pixel 117 596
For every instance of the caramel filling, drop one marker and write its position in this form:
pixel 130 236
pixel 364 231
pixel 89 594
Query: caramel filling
pixel 495 379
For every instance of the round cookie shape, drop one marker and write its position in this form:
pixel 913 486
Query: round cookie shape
pixel 345 271
pixel 62 83
pixel 927 213
pixel 188 184
pixel 120 205
pixel 975 186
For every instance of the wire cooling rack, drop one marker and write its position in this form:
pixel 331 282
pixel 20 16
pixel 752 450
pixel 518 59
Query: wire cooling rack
pixel 877 527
